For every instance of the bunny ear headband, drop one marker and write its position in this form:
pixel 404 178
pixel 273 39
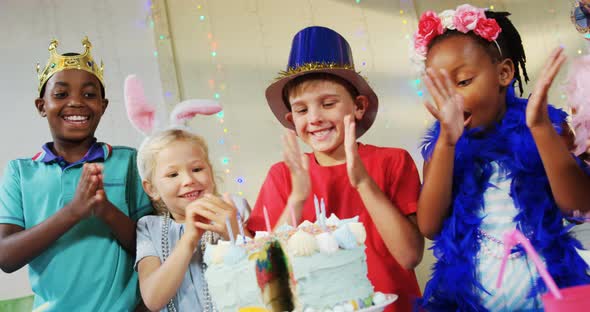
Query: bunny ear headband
pixel 143 114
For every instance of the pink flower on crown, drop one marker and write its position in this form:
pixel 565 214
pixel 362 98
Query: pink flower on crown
pixel 429 26
pixel 488 29
pixel 467 17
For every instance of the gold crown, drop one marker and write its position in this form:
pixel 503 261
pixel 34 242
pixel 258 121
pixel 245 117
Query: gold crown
pixel 58 62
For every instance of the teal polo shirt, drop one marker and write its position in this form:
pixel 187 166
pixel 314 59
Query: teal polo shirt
pixel 86 269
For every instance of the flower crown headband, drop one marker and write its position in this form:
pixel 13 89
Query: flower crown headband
pixel 465 18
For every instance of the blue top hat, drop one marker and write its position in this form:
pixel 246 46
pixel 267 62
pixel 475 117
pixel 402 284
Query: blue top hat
pixel 321 50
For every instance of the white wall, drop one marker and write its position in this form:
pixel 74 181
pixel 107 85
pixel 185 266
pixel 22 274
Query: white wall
pixel 121 37
pixel 253 38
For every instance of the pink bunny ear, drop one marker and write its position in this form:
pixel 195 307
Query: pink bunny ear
pixel 579 100
pixel 141 114
pixel 188 109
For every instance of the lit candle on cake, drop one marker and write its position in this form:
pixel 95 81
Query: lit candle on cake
pixel 293 218
pixel 267 220
pixel 316 205
pixel 230 231
pixel 241 226
pixel 323 214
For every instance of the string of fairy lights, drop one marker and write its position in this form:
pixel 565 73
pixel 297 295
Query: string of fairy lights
pixel 405 14
pixel 217 86
pixel 364 33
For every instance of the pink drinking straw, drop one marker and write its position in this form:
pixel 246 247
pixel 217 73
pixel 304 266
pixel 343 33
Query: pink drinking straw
pixel 512 238
pixel 267 220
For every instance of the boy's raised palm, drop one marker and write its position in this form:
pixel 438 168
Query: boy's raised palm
pixel 537 113
pixel 357 173
pixel 449 110
pixel 298 164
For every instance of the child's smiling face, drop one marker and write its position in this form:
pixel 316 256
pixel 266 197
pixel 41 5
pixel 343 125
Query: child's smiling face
pixel 73 104
pixel 318 110
pixel 475 75
pixel 182 175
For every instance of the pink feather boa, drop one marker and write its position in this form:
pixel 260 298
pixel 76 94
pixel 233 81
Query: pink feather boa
pixel 578 92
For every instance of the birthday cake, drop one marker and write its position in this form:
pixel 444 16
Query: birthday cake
pixel 314 267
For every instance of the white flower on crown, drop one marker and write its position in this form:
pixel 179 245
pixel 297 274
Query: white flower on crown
pixel 446 17
pixel 418 60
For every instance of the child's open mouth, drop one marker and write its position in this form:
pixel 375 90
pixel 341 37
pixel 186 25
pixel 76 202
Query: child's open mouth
pixel 321 134
pixel 192 195
pixel 76 119
pixel 466 118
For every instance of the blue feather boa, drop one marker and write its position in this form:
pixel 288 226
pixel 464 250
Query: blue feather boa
pixel 453 286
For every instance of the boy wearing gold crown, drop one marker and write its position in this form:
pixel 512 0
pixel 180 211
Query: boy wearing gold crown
pixel 69 212
pixel 329 105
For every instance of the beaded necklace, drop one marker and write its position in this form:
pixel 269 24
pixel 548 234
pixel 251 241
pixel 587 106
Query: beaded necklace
pixel 207 237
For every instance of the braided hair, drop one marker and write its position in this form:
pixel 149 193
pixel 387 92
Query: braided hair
pixel 511 45
pixel 509 42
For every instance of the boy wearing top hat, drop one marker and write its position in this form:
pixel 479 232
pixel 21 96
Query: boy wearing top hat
pixel 329 105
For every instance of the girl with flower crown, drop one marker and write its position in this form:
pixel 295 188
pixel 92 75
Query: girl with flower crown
pixel 493 162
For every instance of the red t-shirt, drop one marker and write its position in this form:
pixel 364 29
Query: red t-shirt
pixel 396 175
